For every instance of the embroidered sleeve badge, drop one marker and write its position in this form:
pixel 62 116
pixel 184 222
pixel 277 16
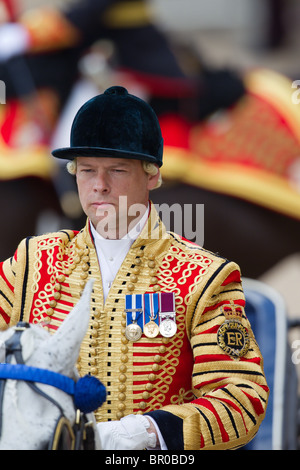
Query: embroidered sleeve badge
pixel 232 336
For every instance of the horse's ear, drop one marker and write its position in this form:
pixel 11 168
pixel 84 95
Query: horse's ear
pixel 67 339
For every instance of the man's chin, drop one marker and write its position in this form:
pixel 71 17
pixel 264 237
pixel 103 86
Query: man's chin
pixel 110 227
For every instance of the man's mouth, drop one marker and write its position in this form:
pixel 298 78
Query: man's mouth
pixel 102 204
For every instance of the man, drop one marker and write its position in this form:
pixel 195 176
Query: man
pixel 168 335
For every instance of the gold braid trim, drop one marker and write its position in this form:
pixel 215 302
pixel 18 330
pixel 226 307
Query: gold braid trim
pixel 6 294
pixel 20 283
pixel 139 376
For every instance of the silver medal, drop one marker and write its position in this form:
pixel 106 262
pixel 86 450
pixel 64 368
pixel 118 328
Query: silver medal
pixel 133 332
pixel 168 327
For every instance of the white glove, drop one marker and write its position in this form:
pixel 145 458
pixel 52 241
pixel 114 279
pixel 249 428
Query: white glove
pixel 130 433
pixel 14 40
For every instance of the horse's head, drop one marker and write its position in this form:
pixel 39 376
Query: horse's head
pixel 30 406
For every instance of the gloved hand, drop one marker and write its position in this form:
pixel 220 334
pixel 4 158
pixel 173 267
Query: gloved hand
pixel 14 40
pixel 130 433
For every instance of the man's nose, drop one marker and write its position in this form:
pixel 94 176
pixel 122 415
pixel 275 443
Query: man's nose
pixel 101 183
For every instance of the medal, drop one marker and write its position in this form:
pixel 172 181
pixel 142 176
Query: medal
pixel 134 310
pixel 151 308
pixel 167 315
pixel 151 314
pixel 133 332
pixel 167 327
pixel 151 329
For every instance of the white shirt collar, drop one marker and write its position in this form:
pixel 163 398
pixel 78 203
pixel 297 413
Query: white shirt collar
pixel 111 253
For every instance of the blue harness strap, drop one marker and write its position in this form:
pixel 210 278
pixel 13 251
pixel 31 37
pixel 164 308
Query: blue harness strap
pixel 34 374
pixel 88 392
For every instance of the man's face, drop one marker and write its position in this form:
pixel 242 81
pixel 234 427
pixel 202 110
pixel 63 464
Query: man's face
pixel 113 192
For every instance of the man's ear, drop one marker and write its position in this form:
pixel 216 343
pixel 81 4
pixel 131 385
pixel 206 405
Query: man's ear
pixel 153 179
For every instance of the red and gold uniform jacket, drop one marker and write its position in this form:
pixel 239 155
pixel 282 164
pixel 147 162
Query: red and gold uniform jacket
pixel 204 386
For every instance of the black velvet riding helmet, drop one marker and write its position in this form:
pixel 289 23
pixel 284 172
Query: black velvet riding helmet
pixel 115 124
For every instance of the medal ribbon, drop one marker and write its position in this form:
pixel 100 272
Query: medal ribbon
pixel 151 308
pixel 134 309
pixel 167 315
pixel 167 303
pixel 154 306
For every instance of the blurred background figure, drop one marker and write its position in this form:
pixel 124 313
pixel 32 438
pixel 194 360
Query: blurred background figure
pixel 215 73
pixel 40 53
pixel 220 76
